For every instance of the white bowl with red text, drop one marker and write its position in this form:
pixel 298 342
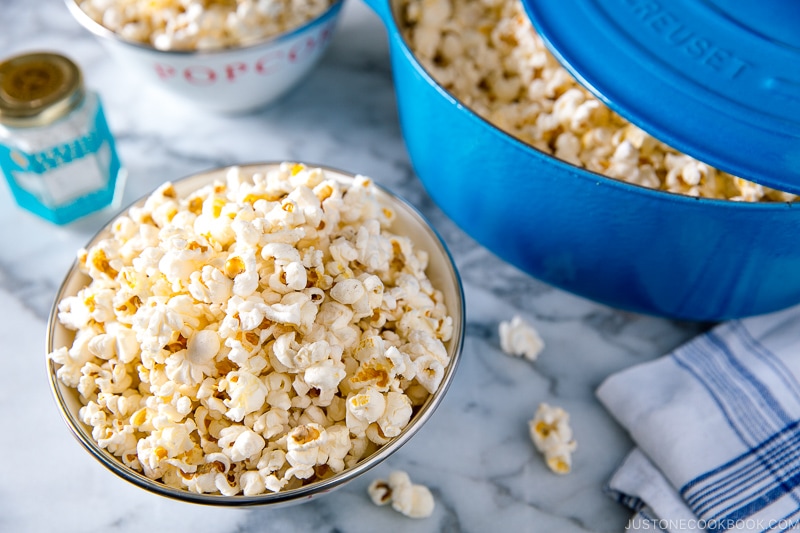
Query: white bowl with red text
pixel 227 80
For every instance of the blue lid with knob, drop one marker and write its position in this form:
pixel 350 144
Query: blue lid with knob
pixel 716 79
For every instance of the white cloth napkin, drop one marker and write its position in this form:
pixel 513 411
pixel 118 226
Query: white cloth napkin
pixel 717 429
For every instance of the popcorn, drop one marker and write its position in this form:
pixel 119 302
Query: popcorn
pixel 348 291
pixel 366 406
pixel 429 372
pixel 379 492
pixel 73 360
pixel 275 421
pixel 337 447
pixel 520 338
pixel 156 324
pixel 325 376
pixel 252 483
pixel 375 435
pixel 305 446
pixel 412 500
pixel 119 439
pixel 488 55
pixel 227 342
pixel 552 435
pixel 181 259
pixel 74 311
pixel 247 394
pixel 242 269
pixel 199 25
pixel 396 414
pixel 126 348
pixel 191 365
pixel 240 443
pixel 162 448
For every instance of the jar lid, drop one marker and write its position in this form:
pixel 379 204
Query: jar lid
pixel 38 88
pixel 716 79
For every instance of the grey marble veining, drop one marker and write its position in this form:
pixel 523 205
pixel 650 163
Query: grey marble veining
pixel 474 453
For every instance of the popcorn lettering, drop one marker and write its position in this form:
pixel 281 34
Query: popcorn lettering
pixel 488 55
pixel 226 340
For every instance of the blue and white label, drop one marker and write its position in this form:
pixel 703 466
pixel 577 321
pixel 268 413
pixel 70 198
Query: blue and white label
pixel 67 180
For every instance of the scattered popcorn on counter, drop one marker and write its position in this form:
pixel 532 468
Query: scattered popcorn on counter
pixel 552 435
pixel 520 338
pixel 410 499
pixel 201 24
pixel 260 334
pixel 487 54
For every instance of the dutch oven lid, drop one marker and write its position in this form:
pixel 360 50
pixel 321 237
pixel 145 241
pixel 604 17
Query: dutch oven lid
pixel 716 79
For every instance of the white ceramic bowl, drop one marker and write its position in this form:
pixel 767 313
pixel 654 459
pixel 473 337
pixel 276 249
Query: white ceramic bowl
pixel 441 271
pixel 227 80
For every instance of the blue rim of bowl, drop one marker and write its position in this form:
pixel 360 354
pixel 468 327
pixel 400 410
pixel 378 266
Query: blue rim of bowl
pixel 579 172
pixel 83 436
pixel 101 31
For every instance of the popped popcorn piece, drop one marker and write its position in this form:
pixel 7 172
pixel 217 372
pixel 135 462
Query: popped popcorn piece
pixel 337 447
pixel 252 483
pixel 429 372
pixel 489 56
pixel 259 334
pixel 72 360
pixel 348 291
pixel 325 377
pixel 410 499
pixel 379 492
pixel 305 450
pixel 240 443
pixel 552 435
pixel 365 408
pixel 414 501
pixel 396 414
pixel 201 25
pixel 520 338
pixel 191 365
pixel 247 394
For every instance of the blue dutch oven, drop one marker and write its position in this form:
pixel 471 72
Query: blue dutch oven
pixel 621 244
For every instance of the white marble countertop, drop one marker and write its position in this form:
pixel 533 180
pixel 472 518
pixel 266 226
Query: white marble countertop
pixel 474 453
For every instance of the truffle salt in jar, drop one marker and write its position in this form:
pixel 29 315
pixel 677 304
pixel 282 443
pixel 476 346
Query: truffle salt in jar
pixel 56 150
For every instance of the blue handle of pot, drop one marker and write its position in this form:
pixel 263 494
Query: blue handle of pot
pixel 383 10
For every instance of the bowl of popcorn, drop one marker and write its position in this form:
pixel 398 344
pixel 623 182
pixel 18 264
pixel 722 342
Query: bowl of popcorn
pixel 548 163
pixel 226 56
pixel 255 335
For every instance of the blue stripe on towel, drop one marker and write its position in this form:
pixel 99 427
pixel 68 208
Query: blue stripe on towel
pixel 736 489
pixel 631 502
pixel 773 451
pixel 728 392
pixel 783 483
pixel 763 391
pixel 780 370
pixel 653 522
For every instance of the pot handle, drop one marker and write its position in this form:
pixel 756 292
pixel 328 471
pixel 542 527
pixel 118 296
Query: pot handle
pixel 383 10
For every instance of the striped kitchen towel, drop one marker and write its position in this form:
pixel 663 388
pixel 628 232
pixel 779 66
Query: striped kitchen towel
pixel 717 430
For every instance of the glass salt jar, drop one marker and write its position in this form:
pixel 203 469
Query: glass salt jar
pixel 56 150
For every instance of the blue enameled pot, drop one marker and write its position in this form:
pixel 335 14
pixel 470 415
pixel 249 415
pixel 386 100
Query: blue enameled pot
pixel 620 244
